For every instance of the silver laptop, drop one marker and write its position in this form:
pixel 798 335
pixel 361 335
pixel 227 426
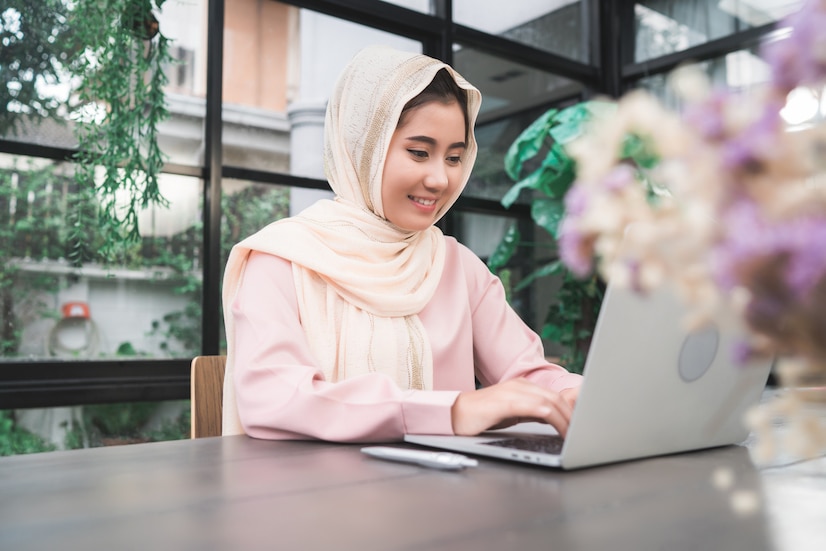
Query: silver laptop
pixel 651 387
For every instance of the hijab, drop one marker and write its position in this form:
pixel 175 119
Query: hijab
pixel 360 281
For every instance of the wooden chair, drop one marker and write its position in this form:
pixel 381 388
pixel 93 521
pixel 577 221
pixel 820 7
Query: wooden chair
pixel 207 395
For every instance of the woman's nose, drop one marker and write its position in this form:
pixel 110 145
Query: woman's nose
pixel 436 177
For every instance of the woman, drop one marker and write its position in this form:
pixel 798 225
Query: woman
pixel 358 320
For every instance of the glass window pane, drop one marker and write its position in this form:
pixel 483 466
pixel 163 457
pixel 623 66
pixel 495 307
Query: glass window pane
pixel 183 22
pixel 555 26
pixel 509 93
pixel 489 179
pixel 34 430
pixel 483 232
pixel 741 70
pixel 147 303
pixel 424 6
pixel 34 79
pixel 37 91
pixel 247 207
pixel 280 65
pixel 668 26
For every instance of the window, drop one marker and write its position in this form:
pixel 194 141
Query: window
pixel 124 333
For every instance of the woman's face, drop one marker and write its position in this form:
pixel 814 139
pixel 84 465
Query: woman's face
pixel 424 164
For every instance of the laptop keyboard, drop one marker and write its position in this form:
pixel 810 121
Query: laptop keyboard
pixel 549 443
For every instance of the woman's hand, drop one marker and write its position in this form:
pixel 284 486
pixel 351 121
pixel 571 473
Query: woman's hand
pixel 511 402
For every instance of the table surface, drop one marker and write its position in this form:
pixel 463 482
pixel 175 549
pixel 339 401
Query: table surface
pixel 241 493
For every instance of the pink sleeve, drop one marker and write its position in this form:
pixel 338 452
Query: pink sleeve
pixel 504 347
pixel 282 395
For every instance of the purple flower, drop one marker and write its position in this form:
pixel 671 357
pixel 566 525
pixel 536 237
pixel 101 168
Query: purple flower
pixel 707 117
pixel 755 143
pixel 619 178
pixel 800 59
pixel 576 200
pixel 574 248
pixel 796 246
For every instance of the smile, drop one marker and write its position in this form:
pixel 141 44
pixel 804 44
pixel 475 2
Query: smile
pixel 423 202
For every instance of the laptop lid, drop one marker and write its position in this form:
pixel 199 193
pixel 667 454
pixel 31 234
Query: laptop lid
pixel 651 387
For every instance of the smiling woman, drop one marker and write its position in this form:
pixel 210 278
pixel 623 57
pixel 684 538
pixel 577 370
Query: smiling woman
pixel 423 171
pixel 358 320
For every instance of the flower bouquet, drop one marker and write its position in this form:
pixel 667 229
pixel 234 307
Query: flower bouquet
pixel 731 206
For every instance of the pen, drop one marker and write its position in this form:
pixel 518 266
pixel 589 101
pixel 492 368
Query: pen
pixel 436 460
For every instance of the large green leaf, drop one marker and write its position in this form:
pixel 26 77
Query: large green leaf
pixel 557 175
pixel 553 177
pixel 572 121
pixel 547 213
pixel 505 249
pixel 513 193
pixel 548 269
pixel 528 144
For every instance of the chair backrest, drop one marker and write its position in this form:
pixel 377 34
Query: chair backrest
pixel 207 395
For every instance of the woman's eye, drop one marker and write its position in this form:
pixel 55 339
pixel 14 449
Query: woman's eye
pixel 418 153
pixel 454 159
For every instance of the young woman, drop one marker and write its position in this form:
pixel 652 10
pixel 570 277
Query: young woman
pixel 358 320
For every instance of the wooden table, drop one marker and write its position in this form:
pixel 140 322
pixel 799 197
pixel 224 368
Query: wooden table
pixel 238 493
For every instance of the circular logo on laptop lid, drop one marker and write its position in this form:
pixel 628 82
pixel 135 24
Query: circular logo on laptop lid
pixel 698 352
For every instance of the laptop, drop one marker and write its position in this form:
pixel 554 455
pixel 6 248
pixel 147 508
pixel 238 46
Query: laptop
pixel 651 387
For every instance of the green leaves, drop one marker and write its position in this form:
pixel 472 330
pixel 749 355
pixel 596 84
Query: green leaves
pixel 551 268
pixel 540 151
pixel 528 144
pixel 505 249
pixel 639 150
pixel 547 213
pixel 122 79
pixel 550 132
pixel 33 39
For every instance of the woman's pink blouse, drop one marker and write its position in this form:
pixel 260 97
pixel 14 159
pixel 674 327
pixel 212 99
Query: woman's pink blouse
pixel 281 394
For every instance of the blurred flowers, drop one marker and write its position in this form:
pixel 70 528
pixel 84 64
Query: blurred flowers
pixel 731 206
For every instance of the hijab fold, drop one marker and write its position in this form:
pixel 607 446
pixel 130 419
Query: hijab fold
pixel 360 281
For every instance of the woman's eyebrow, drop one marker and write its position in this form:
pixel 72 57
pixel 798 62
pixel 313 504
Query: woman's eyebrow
pixel 430 141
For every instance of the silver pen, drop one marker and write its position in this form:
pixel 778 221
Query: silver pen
pixel 436 460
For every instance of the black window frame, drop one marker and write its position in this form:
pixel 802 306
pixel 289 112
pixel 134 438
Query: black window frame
pixel 609 28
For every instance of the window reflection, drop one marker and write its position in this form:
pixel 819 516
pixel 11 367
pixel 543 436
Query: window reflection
pixel 555 26
pixel 57 305
pixel 281 63
pixel 741 70
pixel 424 6
pixel 667 26
pixel 513 95
pixel 35 430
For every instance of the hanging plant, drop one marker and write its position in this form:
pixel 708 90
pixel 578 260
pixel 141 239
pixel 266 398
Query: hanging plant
pixel 120 64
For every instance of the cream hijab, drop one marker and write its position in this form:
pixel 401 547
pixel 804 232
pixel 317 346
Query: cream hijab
pixel 360 281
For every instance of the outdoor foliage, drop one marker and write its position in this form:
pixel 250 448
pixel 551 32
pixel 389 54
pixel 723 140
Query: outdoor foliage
pixel 15 440
pixel 121 104
pixel 33 54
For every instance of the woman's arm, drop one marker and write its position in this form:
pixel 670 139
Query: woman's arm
pixel 281 394
pixel 510 363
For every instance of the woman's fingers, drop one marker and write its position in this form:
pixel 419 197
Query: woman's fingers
pixel 570 395
pixel 498 405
